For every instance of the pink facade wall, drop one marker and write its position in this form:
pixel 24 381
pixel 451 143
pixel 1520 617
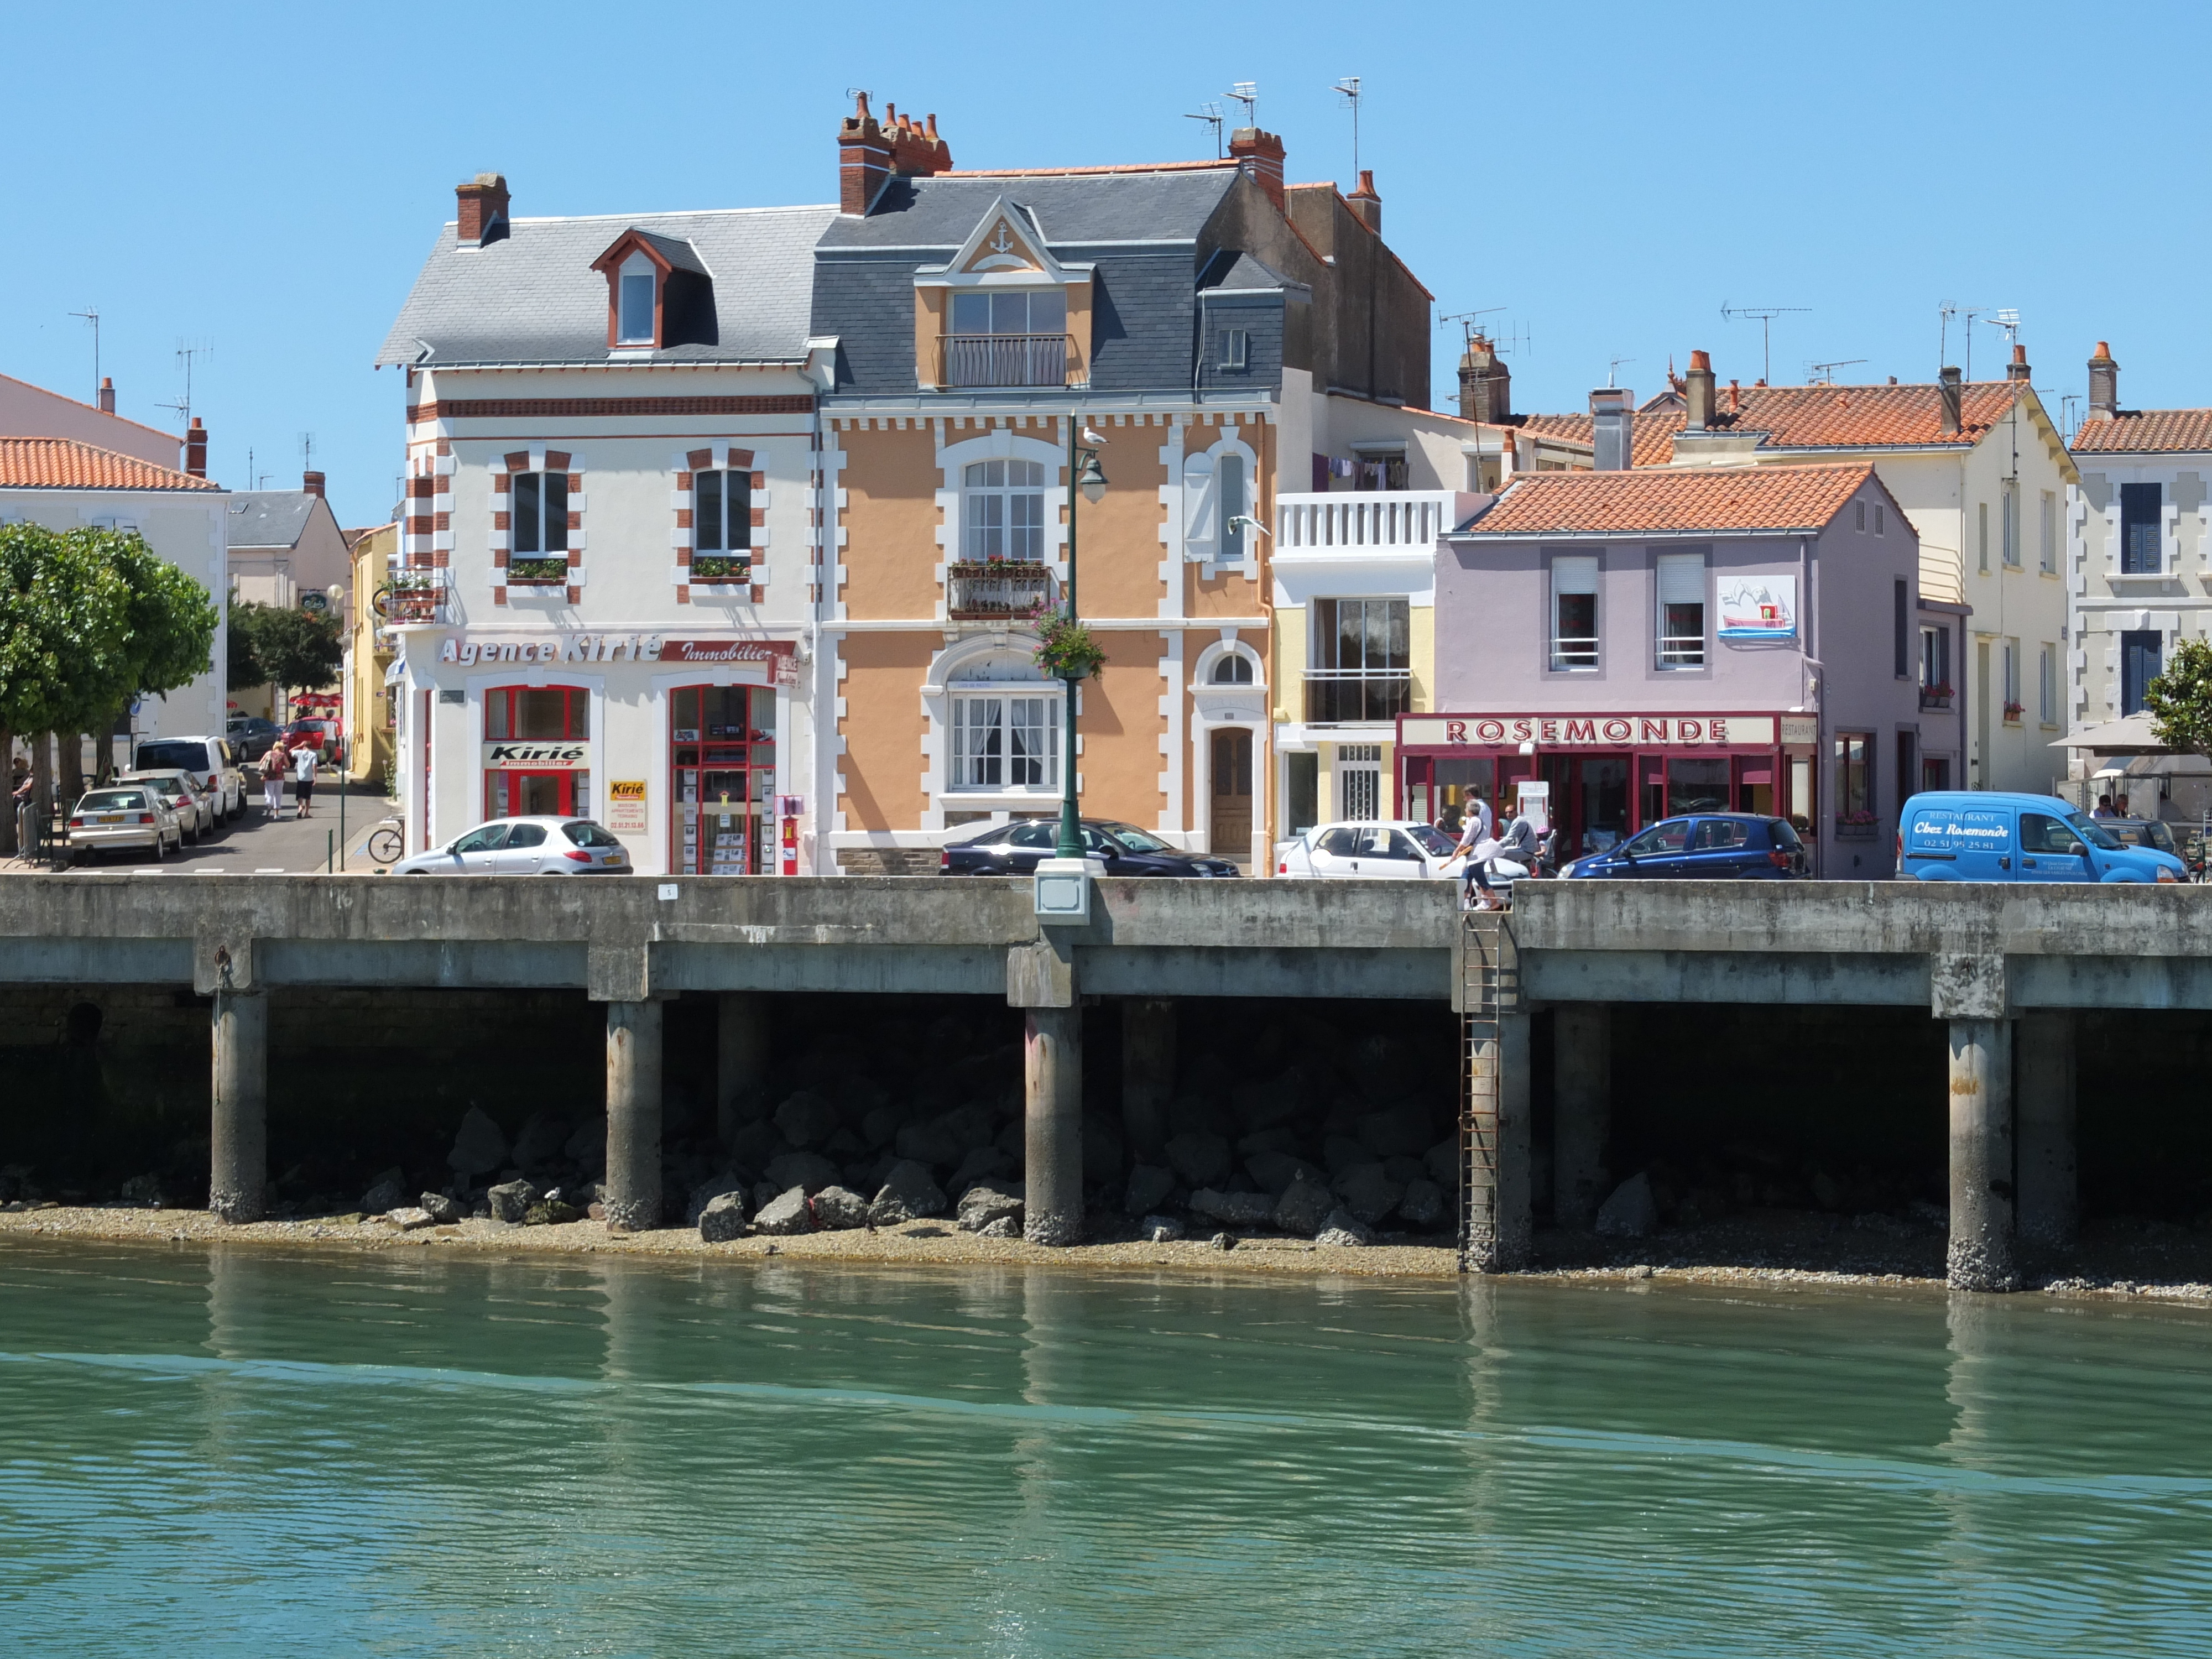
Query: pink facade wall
pixel 30 411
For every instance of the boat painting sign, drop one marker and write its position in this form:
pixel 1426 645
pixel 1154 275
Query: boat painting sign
pixel 1758 607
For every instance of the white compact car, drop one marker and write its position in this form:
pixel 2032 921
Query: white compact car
pixel 126 817
pixel 524 847
pixel 1397 849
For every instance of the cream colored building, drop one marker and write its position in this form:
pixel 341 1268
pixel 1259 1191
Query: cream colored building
pixel 371 645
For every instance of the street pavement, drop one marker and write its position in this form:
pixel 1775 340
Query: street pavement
pixel 259 844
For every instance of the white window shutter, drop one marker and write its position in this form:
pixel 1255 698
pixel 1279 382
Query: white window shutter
pixel 1200 516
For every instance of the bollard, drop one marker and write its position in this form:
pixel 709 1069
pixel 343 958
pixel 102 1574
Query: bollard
pixel 238 1135
pixel 633 1195
pixel 1052 1131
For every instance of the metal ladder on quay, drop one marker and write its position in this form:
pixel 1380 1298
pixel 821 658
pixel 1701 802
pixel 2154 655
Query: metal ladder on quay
pixel 1490 987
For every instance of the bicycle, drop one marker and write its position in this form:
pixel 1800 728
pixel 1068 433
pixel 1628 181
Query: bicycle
pixel 386 843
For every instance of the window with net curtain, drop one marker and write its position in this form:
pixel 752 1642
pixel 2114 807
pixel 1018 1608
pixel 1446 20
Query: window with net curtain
pixel 1363 662
pixel 1680 579
pixel 1004 741
pixel 1002 511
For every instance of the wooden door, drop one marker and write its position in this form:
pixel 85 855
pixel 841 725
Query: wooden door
pixel 1231 836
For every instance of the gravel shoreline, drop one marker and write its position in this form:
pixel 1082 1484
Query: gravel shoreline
pixel 1739 1255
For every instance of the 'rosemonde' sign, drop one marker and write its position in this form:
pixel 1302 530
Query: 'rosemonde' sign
pixel 566 646
pixel 1596 730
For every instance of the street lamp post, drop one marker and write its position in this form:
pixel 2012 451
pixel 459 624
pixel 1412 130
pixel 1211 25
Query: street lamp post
pixel 1084 474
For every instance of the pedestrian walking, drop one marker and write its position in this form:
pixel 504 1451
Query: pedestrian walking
pixel 303 778
pixel 274 765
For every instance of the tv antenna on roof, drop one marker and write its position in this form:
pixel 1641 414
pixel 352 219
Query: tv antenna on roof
pixel 93 317
pixel 1211 114
pixel 1348 89
pixel 185 353
pixel 1763 316
pixel 1246 92
pixel 1612 369
pixel 1466 321
pixel 1825 373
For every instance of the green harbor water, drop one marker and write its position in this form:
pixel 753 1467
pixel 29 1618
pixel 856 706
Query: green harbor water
pixel 243 1452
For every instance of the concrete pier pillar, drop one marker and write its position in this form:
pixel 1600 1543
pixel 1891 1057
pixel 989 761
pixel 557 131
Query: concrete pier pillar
pixel 1982 1193
pixel 633 1196
pixel 740 1056
pixel 1494 1146
pixel 1148 1073
pixel 1052 1137
pixel 2049 1201
pixel 237 1175
pixel 1581 1073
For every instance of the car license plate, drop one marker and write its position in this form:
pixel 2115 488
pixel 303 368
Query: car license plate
pixel 109 817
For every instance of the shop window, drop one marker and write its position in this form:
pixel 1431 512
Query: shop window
pixel 1681 584
pixel 1697 786
pixel 536 712
pixel 722 755
pixel 1363 666
pixel 1574 611
pixel 2141 509
pixel 1854 777
pixel 1002 511
pixel 1006 742
pixel 721 525
pixel 537 543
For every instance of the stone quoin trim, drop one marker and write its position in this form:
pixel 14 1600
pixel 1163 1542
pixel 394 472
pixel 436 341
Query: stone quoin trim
pixel 717 457
pixel 503 470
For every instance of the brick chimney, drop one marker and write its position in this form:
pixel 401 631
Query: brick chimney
pixel 2017 368
pixel 1953 402
pixel 1365 202
pixel 480 206
pixel 864 160
pixel 1485 385
pixel 916 151
pixel 196 449
pixel 1260 154
pixel 1698 390
pixel 2104 384
pixel 313 483
pixel 1612 429
pixel 108 394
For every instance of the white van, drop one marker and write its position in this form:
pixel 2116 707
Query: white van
pixel 209 762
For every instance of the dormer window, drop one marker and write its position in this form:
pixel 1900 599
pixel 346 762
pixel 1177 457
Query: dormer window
pixel 1016 336
pixel 639 279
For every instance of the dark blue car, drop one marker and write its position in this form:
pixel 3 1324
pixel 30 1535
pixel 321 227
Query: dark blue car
pixel 1702 847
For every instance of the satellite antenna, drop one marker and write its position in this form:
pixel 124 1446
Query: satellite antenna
pixel 1612 369
pixel 1246 92
pixel 2008 321
pixel 1210 113
pixel 93 317
pixel 1763 316
pixel 1348 89
pixel 185 353
pixel 1825 373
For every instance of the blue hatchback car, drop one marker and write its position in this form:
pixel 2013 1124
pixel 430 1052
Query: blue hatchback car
pixel 1702 847
pixel 1970 835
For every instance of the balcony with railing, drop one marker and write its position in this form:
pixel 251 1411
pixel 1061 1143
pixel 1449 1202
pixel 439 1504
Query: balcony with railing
pixel 997 590
pixel 1335 696
pixel 1381 520
pixel 1007 360
pixel 412 596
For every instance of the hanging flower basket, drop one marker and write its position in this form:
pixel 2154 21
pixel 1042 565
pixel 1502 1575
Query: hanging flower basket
pixel 1067 650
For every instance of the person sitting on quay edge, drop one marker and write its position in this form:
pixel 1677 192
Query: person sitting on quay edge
pixel 303 778
pixel 2104 808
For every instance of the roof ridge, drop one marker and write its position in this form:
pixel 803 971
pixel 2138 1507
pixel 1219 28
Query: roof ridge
pixel 91 409
pixel 1058 172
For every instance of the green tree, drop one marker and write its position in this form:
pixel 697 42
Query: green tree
pixel 2179 700
pixel 296 649
pixel 244 672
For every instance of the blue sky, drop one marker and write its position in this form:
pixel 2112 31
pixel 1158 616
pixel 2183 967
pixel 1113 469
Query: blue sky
pixel 264 181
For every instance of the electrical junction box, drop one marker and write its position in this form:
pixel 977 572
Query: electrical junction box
pixel 1063 889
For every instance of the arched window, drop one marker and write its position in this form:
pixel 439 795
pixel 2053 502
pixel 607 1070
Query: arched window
pixel 1002 511
pixel 1233 670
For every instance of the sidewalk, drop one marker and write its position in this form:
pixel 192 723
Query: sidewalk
pixel 259 845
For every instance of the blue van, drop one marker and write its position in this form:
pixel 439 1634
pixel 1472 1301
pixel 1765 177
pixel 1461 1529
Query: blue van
pixel 1965 835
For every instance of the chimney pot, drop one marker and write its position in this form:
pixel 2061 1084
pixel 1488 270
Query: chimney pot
pixel 1259 154
pixel 108 394
pixel 1613 430
pixel 2017 369
pixel 1697 392
pixel 196 449
pixel 480 211
pixel 1735 395
pixel 312 482
pixel 2104 384
pixel 1953 402
pixel 1365 202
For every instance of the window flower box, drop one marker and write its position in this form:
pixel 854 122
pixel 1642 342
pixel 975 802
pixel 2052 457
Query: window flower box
pixel 721 568
pixel 1858 826
pixel 2013 711
pixel 1936 696
pixel 550 572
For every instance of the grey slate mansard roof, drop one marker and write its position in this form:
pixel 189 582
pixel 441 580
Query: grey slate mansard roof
pixel 269 518
pixel 1140 229
pixel 533 297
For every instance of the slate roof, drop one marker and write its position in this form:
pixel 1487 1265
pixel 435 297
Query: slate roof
pixel 1248 273
pixel 1170 205
pixel 269 518
pixel 1693 500
pixel 65 463
pixel 2146 431
pixel 533 297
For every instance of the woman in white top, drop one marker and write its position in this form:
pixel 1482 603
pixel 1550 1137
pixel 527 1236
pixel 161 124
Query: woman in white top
pixel 303 777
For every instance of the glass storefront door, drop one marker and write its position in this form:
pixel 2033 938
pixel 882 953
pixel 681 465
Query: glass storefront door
pixel 722 741
pixel 538 714
pixel 533 795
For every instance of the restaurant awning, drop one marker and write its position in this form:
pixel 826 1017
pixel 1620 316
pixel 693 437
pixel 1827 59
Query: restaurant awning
pixel 2131 736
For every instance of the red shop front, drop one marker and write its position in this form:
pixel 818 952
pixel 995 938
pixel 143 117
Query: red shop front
pixel 1608 774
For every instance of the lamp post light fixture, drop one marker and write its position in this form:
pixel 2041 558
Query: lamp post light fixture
pixel 1084 474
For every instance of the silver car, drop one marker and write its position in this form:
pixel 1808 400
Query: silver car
pixel 524 847
pixel 209 762
pixel 194 806
pixel 131 814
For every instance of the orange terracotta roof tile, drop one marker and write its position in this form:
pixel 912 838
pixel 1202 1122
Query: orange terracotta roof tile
pixel 1693 500
pixel 65 463
pixel 1653 444
pixel 2137 431
pixel 1867 417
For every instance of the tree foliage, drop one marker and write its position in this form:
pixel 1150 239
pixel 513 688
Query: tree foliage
pixel 89 619
pixel 296 649
pixel 2179 700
